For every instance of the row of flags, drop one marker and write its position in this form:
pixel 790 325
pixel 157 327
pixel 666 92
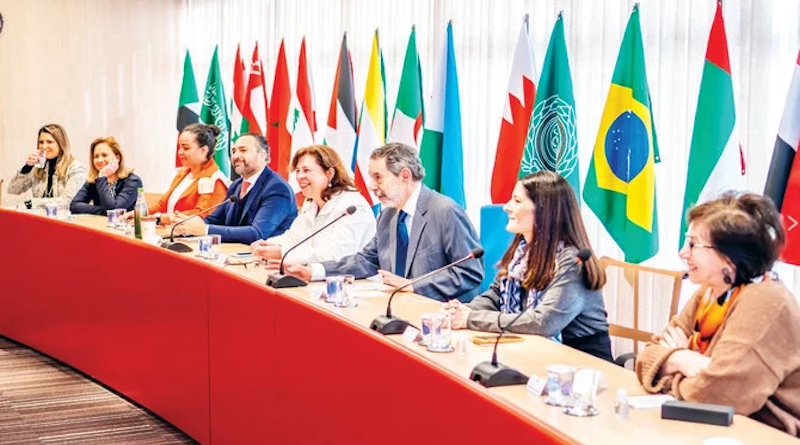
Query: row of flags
pixel 538 130
pixel 288 118
pixel 620 185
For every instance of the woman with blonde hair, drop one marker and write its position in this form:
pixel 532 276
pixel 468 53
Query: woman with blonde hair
pixel 51 173
pixel 110 185
pixel 329 191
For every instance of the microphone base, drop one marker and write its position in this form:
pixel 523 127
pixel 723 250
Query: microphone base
pixel 279 281
pixel 490 375
pixel 176 246
pixel 388 325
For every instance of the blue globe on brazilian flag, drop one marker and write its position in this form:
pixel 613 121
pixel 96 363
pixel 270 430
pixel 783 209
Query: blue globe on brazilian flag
pixel 620 185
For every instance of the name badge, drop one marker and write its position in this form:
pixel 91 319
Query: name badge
pixel 205 186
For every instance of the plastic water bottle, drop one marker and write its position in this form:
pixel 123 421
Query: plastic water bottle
pixel 621 407
pixel 139 210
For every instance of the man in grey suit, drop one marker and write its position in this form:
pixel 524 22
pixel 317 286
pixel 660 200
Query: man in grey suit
pixel 418 231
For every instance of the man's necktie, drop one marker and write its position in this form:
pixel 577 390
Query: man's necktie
pixel 402 245
pixel 243 191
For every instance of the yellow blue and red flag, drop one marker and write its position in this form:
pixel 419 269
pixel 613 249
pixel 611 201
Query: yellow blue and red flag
pixel 621 183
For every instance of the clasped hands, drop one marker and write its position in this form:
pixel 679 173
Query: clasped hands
pixel 683 360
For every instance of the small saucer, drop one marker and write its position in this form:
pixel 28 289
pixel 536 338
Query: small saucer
pixel 449 349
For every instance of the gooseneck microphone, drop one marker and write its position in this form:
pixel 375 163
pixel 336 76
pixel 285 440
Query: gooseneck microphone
pixel 181 247
pixel 279 279
pixel 492 373
pixel 387 324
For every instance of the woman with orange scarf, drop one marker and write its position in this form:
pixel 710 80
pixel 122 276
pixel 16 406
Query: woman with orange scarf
pixel 737 341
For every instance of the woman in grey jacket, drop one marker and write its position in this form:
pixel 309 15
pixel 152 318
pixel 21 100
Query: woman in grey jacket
pixel 540 273
pixel 52 180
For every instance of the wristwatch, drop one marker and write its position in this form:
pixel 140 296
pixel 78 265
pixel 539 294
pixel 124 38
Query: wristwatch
pixel 29 204
pixel 158 218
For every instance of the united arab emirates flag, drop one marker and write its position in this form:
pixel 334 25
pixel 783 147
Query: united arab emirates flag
pixel 716 164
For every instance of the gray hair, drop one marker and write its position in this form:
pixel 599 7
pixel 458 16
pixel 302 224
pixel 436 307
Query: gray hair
pixel 399 156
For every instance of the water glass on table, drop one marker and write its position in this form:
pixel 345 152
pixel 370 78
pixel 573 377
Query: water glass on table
pixel 334 288
pixel 559 385
pixel 346 298
pixel 440 334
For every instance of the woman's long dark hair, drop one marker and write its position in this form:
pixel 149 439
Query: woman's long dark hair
pixel 556 218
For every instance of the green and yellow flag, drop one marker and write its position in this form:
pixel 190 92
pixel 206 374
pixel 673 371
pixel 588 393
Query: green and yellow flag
pixel 621 184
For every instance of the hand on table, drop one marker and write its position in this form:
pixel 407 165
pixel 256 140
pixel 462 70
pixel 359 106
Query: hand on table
pixel 193 227
pixel 265 250
pixel 395 281
pixel 458 312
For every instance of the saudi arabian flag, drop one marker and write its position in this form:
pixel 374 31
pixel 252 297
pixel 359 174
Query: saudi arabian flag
pixel 621 183
pixel 214 112
pixel 409 115
pixel 716 164
pixel 552 142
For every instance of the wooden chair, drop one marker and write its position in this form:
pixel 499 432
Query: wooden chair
pixel 632 317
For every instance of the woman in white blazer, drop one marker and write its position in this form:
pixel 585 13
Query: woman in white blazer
pixel 328 191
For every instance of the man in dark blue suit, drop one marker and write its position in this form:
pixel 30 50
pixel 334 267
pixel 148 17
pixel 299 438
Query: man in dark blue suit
pixel 266 205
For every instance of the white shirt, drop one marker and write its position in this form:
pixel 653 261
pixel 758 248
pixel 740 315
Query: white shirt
pixel 178 191
pixel 252 181
pixel 410 207
pixel 343 238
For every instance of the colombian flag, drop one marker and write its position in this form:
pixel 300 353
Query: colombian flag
pixel 620 186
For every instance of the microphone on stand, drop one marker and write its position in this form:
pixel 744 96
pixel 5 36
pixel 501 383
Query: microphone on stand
pixel 279 279
pixel 492 373
pixel 177 246
pixel 387 324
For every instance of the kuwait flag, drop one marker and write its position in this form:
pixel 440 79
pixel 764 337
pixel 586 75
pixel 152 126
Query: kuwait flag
pixel 716 163
pixel 280 139
pixel 255 102
pixel 409 113
pixel 441 139
pixel 302 116
pixel 188 104
pixel 516 118
pixel 784 171
pixel 341 132
pixel 372 122
pixel 215 112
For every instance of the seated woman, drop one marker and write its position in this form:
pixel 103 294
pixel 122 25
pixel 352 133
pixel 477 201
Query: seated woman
pixel 110 185
pixel 737 341
pixel 329 191
pixel 51 173
pixel 199 184
pixel 540 273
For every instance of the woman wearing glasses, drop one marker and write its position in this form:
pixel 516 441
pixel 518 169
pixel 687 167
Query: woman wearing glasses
pixel 737 341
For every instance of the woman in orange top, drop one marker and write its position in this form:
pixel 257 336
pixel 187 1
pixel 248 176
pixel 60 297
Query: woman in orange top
pixel 199 184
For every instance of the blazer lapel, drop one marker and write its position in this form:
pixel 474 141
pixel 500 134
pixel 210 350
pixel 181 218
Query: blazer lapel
pixel 417 226
pixel 254 192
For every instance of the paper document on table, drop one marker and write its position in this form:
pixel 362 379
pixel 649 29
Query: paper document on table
pixel 648 401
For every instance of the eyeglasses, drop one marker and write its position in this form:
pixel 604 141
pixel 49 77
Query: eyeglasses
pixel 687 242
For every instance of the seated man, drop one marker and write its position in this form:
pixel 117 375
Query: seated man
pixel 418 232
pixel 266 205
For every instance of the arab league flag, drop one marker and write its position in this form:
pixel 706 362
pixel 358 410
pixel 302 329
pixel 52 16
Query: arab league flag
pixel 620 186
pixel 783 181
pixel 215 112
pixel 341 131
pixel 552 141
pixel 716 164
pixel 372 123
pixel 441 151
pixel 188 104
pixel 409 112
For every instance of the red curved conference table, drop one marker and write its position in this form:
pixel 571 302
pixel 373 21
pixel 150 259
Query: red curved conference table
pixel 227 359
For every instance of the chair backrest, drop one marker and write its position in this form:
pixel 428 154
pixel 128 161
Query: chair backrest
pixel 1 192
pixel 495 239
pixel 635 304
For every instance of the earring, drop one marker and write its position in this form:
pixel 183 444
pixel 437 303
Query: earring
pixel 726 276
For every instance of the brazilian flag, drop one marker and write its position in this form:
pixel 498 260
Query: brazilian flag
pixel 621 184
